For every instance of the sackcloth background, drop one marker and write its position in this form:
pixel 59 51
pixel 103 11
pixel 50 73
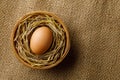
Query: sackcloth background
pixel 94 27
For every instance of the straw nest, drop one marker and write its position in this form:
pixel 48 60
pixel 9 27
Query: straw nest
pixel 22 34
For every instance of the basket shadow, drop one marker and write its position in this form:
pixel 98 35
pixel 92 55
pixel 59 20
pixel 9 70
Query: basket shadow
pixel 69 62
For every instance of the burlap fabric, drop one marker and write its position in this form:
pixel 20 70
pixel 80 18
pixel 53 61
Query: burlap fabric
pixel 94 27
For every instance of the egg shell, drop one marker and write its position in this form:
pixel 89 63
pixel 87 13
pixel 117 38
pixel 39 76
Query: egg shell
pixel 41 40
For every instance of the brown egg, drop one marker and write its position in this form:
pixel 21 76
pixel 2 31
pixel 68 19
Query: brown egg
pixel 41 40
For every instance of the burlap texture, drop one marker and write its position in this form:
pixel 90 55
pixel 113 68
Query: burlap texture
pixel 94 27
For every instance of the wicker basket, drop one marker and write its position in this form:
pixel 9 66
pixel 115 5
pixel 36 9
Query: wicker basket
pixel 67 41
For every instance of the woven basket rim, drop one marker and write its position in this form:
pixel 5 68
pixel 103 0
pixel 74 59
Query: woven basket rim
pixel 67 48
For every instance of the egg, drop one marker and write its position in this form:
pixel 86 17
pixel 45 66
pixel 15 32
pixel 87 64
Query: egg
pixel 41 40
